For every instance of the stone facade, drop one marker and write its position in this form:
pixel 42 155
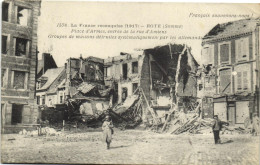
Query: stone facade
pixel 230 76
pixel 19 56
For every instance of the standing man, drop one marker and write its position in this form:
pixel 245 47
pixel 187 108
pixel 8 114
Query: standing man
pixel 217 126
pixel 107 128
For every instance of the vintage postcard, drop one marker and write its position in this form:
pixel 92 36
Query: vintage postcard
pixel 129 83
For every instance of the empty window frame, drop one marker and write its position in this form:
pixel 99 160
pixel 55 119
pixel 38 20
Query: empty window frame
pixel 19 80
pixel 124 94
pixel 4 78
pixel 22 16
pixel 43 100
pixel 135 67
pixel 124 67
pixel 135 86
pixel 200 87
pixel 61 99
pixel 4 44
pixel 5 13
pixel 38 100
pixel 21 47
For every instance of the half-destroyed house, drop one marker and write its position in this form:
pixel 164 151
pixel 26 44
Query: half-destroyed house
pixel 156 72
pixel 230 76
pixel 18 62
pixel 84 86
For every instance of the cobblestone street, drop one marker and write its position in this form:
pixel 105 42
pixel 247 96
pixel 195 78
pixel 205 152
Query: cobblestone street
pixel 130 147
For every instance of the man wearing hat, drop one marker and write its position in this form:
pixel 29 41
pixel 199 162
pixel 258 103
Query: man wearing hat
pixel 107 128
pixel 217 126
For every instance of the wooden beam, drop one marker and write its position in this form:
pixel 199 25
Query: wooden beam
pixel 149 108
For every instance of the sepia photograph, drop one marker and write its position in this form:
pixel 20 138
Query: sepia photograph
pixel 130 83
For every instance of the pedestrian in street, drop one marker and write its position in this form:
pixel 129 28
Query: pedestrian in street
pixel 107 128
pixel 255 124
pixel 217 126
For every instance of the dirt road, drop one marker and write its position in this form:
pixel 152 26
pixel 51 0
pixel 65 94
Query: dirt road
pixel 131 146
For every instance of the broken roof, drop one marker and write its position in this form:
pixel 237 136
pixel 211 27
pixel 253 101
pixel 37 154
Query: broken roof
pixel 60 80
pixel 123 56
pixel 232 28
pixel 51 75
pixel 94 59
pixel 85 87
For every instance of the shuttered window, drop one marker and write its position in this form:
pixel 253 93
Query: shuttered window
pixel 243 77
pixel 225 81
pixel 208 54
pixel 242 49
pixel 224 53
pixel 245 80
pixel 239 81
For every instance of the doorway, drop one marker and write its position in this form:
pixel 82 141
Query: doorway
pixel 17 110
pixel 231 115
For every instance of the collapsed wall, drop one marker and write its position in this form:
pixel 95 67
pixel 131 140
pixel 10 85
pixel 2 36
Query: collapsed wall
pixel 168 78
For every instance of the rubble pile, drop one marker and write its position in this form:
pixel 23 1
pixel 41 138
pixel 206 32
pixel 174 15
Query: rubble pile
pixel 193 124
pixel 41 131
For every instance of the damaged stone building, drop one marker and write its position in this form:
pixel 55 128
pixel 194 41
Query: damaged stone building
pixel 123 73
pixel 18 66
pixel 229 77
pixel 158 73
pixel 84 86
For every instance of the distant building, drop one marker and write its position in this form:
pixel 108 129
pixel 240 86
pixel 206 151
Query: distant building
pixel 230 72
pixel 84 86
pixel 79 70
pixel 124 73
pixel 47 62
pixel 51 87
pixel 18 66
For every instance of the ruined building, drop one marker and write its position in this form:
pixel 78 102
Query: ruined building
pixel 79 70
pixel 123 72
pixel 84 86
pixel 229 77
pixel 165 74
pixel 18 66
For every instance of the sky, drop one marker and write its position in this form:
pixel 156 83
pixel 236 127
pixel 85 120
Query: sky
pixel 187 15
